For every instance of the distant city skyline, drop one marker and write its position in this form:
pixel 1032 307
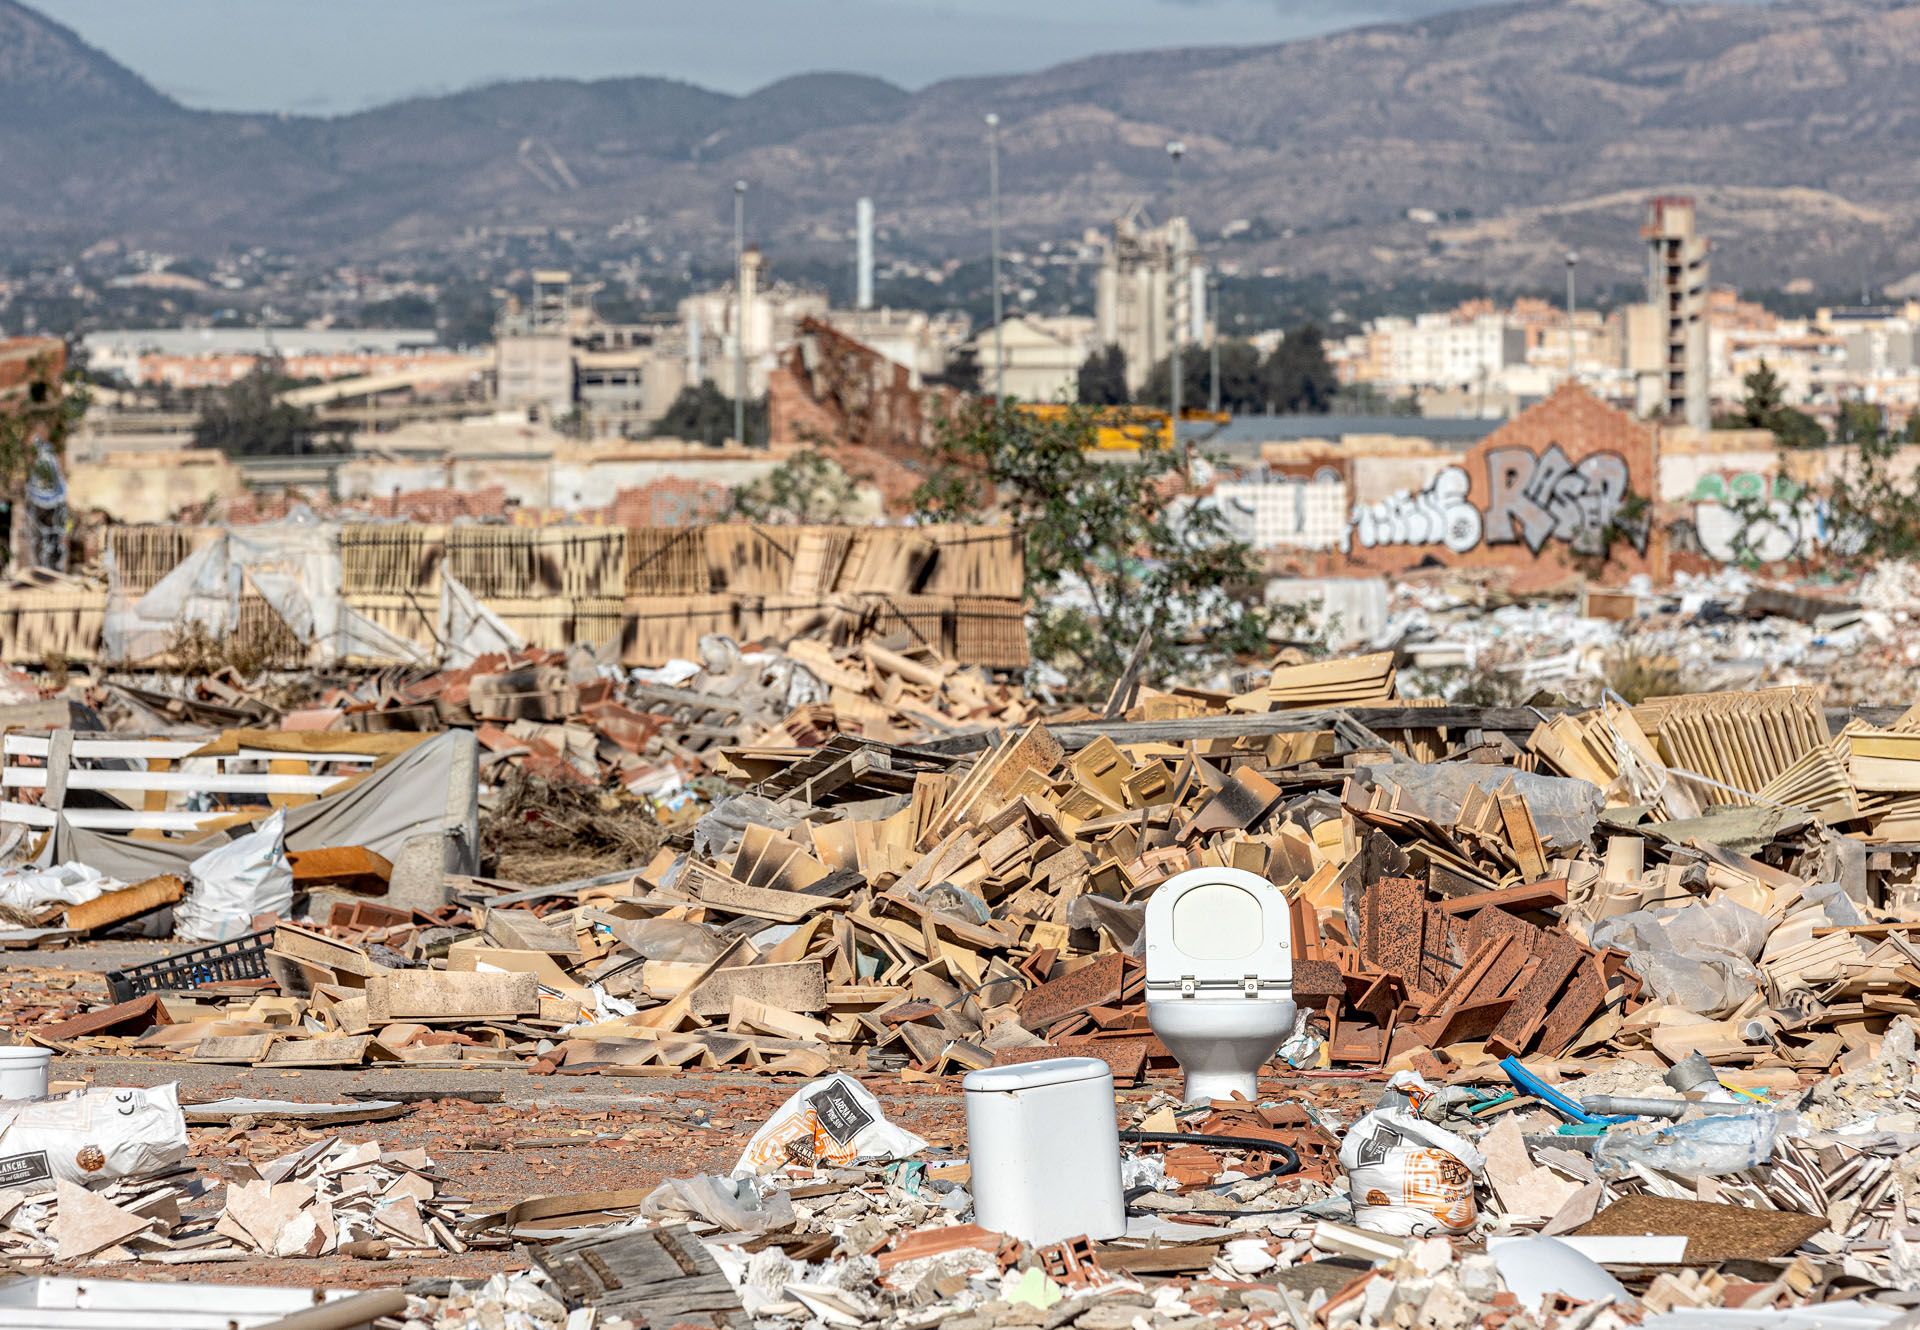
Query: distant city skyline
pixel 347 55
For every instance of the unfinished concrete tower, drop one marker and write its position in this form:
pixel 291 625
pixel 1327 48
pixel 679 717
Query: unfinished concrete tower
pixel 1677 287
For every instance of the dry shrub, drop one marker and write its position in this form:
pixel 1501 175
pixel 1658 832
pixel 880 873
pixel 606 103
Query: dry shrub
pixel 540 832
pixel 1637 675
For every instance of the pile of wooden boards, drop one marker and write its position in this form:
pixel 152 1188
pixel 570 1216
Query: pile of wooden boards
pixel 1687 754
pixel 640 596
pixel 936 902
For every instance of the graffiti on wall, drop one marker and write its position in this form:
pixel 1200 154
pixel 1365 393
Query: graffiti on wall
pixel 1738 487
pixel 1762 532
pixel 1438 515
pixel 1530 499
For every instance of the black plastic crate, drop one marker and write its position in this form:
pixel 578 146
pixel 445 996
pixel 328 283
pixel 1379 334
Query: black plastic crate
pixel 242 958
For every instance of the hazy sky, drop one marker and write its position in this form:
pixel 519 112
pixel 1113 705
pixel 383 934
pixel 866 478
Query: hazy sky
pixel 323 56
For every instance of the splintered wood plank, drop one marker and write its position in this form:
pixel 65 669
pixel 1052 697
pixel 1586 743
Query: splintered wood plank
pixel 523 930
pixel 338 1051
pixel 1528 851
pixel 651 1276
pixel 318 949
pixel 745 1014
pixel 352 867
pixel 769 859
pixel 242 1049
pixel 996 780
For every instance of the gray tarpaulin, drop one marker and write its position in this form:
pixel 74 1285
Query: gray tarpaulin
pixel 409 797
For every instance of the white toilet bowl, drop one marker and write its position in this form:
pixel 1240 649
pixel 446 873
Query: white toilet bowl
pixel 1220 976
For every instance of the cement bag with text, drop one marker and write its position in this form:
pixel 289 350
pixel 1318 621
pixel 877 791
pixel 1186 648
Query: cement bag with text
pixel 827 1124
pixel 90 1138
pixel 1408 1177
pixel 244 878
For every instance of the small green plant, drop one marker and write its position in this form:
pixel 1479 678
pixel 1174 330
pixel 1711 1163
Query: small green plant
pixel 806 489
pixel 50 408
pixel 1108 554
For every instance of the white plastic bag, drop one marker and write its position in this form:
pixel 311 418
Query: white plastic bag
pixel 827 1123
pixel 732 1206
pixel 90 1137
pixel 243 878
pixel 31 890
pixel 1409 1178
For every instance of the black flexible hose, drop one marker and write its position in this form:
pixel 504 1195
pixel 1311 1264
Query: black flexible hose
pixel 1286 1152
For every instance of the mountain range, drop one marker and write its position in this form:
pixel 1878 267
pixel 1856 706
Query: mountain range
pixel 1475 146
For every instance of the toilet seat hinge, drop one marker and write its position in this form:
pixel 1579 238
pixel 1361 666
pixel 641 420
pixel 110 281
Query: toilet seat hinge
pixel 1251 983
pixel 1187 987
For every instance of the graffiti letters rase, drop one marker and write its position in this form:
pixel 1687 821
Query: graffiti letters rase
pixel 1438 515
pixel 1531 500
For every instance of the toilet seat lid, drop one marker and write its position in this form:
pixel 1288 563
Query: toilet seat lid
pixel 1218 927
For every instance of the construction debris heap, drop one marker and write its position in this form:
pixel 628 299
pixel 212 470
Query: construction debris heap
pixel 1628 986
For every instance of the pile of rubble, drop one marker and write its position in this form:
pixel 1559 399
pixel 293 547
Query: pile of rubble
pixel 1713 873
pixel 1461 633
pixel 1637 980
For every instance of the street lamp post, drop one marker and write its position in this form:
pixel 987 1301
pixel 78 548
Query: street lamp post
pixel 740 312
pixel 1213 333
pixel 1573 263
pixel 1176 150
pixel 993 223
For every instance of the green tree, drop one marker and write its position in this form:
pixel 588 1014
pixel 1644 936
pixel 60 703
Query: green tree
pixel 1106 558
pixel 1299 378
pixel 1243 388
pixel 1860 425
pixel 249 419
pixel 1764 407
pixel 1765 398
pixel 1103 378
pixel 1872 502
pixel 962 372
pixel 806 489
pixel 51 407
pixel 705 415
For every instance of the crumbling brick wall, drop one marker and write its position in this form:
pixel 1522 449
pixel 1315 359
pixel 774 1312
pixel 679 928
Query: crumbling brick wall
pixel 831 390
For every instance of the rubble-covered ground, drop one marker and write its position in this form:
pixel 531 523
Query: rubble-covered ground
pixel 1604 935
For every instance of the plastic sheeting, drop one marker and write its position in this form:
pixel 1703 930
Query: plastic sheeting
pixel 1699 957
pixel 29 891
pixel 234 883
pixel 405 798
pixel 470 629
pixel 1564 810
pixel 294 566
